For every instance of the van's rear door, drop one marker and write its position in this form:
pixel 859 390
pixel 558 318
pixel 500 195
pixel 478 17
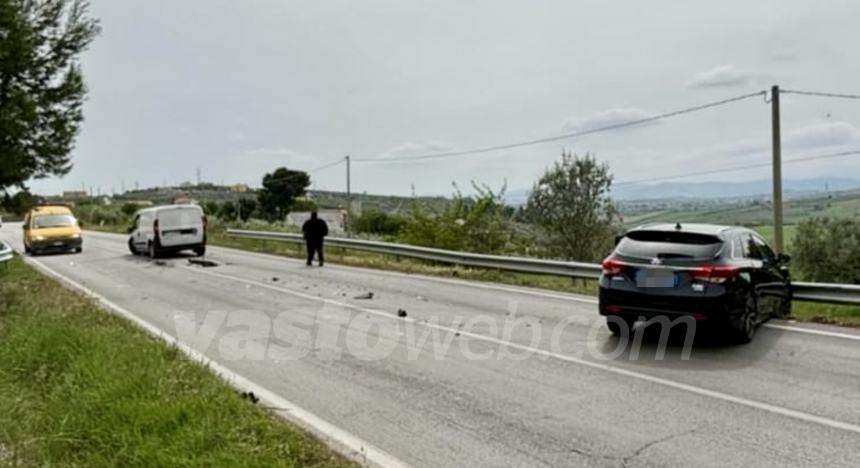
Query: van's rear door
pixel 181 225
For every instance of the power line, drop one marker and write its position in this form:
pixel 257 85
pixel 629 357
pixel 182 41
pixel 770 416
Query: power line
pixel 738 168
pixel 816 93
pixel 566 136
pixel 328 165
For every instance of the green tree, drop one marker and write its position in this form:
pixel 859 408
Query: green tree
pixel 374 221
pixel 211 208
pixel 41 86
pixel 571 205
pixel 280 189
pixel 129 209
pixel 247 206
pixel 228 211
pixel 828 250
pixel 20 203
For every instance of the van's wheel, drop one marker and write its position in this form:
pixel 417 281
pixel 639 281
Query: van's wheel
pixel 742 326
pixel 131 248
pixel 27 249
pixel 200 251
pixel 617 323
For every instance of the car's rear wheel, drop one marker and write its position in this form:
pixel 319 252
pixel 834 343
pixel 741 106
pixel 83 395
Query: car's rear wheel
pixel 27 249
pixel 131 248
pixel 200 251
pixel 618 323
pixel 743 325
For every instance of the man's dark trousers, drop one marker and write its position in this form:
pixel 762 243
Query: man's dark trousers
pixel 315 247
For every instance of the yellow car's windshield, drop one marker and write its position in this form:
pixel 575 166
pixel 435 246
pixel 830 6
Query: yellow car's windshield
pixel 49 221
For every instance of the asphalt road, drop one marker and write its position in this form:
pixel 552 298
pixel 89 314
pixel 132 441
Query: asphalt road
pixel 530 377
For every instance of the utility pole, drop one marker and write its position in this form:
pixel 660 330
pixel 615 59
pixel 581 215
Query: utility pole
pixel 777 170
pixel 348 198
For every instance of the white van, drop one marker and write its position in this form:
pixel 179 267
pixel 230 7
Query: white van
pixel 168 229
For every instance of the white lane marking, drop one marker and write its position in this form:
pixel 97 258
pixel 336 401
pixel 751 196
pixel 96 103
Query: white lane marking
pixel 528 292
pixel 813 331
pixel 345 443
pixel 787 412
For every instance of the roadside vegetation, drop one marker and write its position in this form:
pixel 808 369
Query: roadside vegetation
pixel 568 215
pixel 81 387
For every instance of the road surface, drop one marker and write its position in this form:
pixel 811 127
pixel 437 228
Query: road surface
pixel 529 377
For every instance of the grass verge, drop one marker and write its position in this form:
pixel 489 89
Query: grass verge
pixel 82 387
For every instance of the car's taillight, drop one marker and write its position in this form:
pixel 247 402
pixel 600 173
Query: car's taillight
pixel 612 267
pixel 714 273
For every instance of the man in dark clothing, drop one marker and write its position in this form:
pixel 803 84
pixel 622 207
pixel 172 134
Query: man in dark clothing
pixel 315 230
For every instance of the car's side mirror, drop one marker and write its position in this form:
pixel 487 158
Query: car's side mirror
pixel 130 229
pixel 25 227
pixel 618 239
pixel 783 259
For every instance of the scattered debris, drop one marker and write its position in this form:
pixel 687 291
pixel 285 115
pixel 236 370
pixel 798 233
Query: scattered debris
pixel 275 279
pixel 422 298
pixel 367 295
pixel 250 396
pixel 457 334
pixel 202 262
pixel 401 312
pixel 161 263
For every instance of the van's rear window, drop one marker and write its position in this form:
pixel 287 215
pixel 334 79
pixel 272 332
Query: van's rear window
pixel 668 244
pixel 184 217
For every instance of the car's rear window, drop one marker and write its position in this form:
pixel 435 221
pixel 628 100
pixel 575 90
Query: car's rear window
pixel 58 220
pixel 190 216
pixel 667 244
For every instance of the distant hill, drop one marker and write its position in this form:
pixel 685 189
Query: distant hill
pixel 730 189
pixel 703 190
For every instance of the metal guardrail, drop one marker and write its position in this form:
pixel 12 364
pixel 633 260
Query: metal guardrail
pixel 812 292
pixel 5 252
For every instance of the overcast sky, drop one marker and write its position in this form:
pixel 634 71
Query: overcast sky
pixel 239 88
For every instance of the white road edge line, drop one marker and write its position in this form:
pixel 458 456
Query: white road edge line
pixel 527 292
pixel 338 439
pixel 778 410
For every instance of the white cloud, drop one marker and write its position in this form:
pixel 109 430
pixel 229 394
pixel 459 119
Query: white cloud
pixel 821 136
pixel 721 77
pixel 414 149
pixel 607 118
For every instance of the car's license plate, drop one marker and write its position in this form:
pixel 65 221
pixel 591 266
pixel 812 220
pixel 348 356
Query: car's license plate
pixel 57 243
pixel 656 279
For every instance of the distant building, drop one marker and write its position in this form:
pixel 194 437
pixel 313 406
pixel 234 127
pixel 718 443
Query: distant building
pixel 336 219
pixel 239 188
pixel 75 194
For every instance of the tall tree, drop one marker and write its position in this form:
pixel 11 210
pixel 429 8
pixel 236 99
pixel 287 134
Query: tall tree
pixel 571 204
pixel 280 190
pixel 41 86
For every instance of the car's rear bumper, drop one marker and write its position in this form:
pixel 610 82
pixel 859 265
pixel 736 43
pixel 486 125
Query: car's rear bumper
pixel 627 303
pixel 56 245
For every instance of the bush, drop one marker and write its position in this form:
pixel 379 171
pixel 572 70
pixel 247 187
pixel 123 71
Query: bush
pixel 828 250
pixel 378 222
pixel 472 224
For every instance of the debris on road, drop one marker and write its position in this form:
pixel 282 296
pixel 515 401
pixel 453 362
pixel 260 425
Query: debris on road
pixel 457 334
pixel 421 298
pixel 161 263
pixel 367 295
pixel 275 279
pixel 250 396
pixel 401 312
pixel 202 262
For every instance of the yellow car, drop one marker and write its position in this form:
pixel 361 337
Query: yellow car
pixel 51 228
